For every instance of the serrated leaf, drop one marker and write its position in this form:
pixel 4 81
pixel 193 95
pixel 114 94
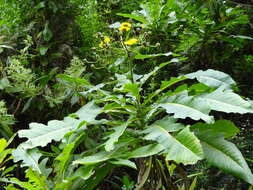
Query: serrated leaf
pixel 114 137
pixel 213 78
pixel 29 158
pixel 183 148
pixel 183 106
pixel 227 101
pixel 41 135
pixel 225 156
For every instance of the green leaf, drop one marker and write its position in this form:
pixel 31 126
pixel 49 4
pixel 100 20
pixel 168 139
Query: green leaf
pixel 101 173
pixel 183 148
pixel 146 151
pixel 225 156
pixel 88 112
pixel 47 33
pixel 213 78
pixel 193 184
pixel 226 101
pixel 71 79
pixel 133 89
pixel 66 154
pixel 95 158
pixel 169 123
pixel 41 135
pixel 241 37
pixel 43 50
pixel 124 162
pixel 141 56
pixel 225 127
pixel 183 106
pixel 85 172
pixel 165 85
pixel 29 158
pixel 135 17
pixel 114 137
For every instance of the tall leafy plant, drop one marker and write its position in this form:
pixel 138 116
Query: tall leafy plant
pixel 125 122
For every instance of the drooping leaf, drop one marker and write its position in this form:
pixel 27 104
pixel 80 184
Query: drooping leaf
pixel 227 101
pixel 183 148
pixel 213 78
pixel 225 156
pixel 124 162
pixel 183 106
pixel 95 158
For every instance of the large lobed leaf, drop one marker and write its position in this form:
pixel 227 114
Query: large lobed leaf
pixel 29 158
pixel 41 135
pixel 213 78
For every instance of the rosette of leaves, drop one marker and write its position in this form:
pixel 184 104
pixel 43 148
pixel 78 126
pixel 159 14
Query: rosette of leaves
pixel 125 123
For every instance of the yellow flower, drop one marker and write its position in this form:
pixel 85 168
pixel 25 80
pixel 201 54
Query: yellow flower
pixel 107 40
pixel 122 28
pixel 125 26
pixel 101 45
pixel 131 42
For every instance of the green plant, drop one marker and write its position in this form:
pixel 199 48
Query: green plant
pixel 6 120
pixel 125 122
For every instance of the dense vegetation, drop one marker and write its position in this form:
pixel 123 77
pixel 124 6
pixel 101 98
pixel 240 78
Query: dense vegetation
pixel 126 95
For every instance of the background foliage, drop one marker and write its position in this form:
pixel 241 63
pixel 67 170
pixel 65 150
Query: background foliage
pixel 106 82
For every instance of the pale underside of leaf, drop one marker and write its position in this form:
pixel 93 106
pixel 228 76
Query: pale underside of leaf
pixel 183 106
pixel 213 78
pixel 184 148
pixel 225 156
pixel 227 101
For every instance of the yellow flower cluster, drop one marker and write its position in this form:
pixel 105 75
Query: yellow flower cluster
pixel 106 41
pixel 125 26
